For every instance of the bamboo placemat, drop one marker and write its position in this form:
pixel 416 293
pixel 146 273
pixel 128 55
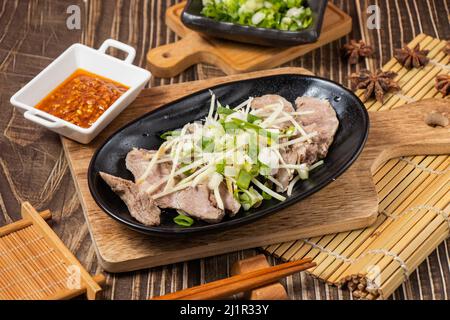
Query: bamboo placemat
pixel 35 264
pixel 414 195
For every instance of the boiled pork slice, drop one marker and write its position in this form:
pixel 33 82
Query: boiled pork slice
pixel 271 99
pixel 284 176
pixel 268 99
pixel 232 206
pixel 137 161
pixel 194 201
pixel 322 120
pixel 142 207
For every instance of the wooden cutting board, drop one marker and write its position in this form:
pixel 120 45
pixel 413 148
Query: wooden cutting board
pixel 233 57
pixel 348 203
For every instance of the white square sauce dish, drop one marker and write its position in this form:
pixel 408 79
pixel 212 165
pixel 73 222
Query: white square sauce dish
pixel 96 62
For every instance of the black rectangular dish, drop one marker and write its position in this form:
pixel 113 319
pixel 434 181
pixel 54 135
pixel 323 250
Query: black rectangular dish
pixel 145 133
pixel 193 19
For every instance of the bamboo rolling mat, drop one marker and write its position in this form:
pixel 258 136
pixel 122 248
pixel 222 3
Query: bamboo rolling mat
pixel 35 264
pixel 414 195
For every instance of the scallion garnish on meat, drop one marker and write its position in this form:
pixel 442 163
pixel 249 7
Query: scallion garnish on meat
pixel 235 158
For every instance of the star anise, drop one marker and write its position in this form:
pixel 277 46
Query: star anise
pixel 356 49
pixel 410 58
pixel 443 84
pixel 447 48
pixel 375 84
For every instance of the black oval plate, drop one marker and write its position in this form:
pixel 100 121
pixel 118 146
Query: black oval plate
pixel 193 19
pixel 144 133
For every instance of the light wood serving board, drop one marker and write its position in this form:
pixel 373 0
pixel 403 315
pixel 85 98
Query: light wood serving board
pixel 233 57
pixel 348 203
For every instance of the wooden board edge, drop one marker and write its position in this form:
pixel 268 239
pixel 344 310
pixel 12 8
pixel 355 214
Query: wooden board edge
pixel 172 16
pixel 97 250
pixel 198 84
pixel 210 55
pixel 115 266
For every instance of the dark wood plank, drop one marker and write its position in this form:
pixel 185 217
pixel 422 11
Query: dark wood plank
pixel 33 167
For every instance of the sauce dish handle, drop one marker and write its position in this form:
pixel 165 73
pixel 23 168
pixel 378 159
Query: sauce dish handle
pixel 121 46
pixel 42 121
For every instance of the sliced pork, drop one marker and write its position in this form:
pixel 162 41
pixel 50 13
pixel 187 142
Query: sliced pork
pixel 142 207
pixel 319 117
pixel 194 201
pixel 260 104
pixel 270 99
pixel 232 206
pixel 322 120
pixel 137 161
pixel 284 176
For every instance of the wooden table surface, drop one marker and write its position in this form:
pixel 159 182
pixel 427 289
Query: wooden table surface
pixel 32 163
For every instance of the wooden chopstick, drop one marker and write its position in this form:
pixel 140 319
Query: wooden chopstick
pixel 240 283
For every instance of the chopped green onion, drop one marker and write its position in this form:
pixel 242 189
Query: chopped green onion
pixel 230 171
pixel 244 197
pixel 252 118
pixel 223 110
pixel 244 179
pixel 183 220
pixel 302 170
pixel 253 147
pixel 254 170
pixel 207 144
pixel 264 169
pixel 220 168
pixel 189 171
pixel 248 198
pixel 273 14
pixel 248 167
pixel 247 125
pixel 316 165
pixel 290 131
pixel 265 195
pixel 231 125
pixel 303 174
pixel 167 134
pixel 264 188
